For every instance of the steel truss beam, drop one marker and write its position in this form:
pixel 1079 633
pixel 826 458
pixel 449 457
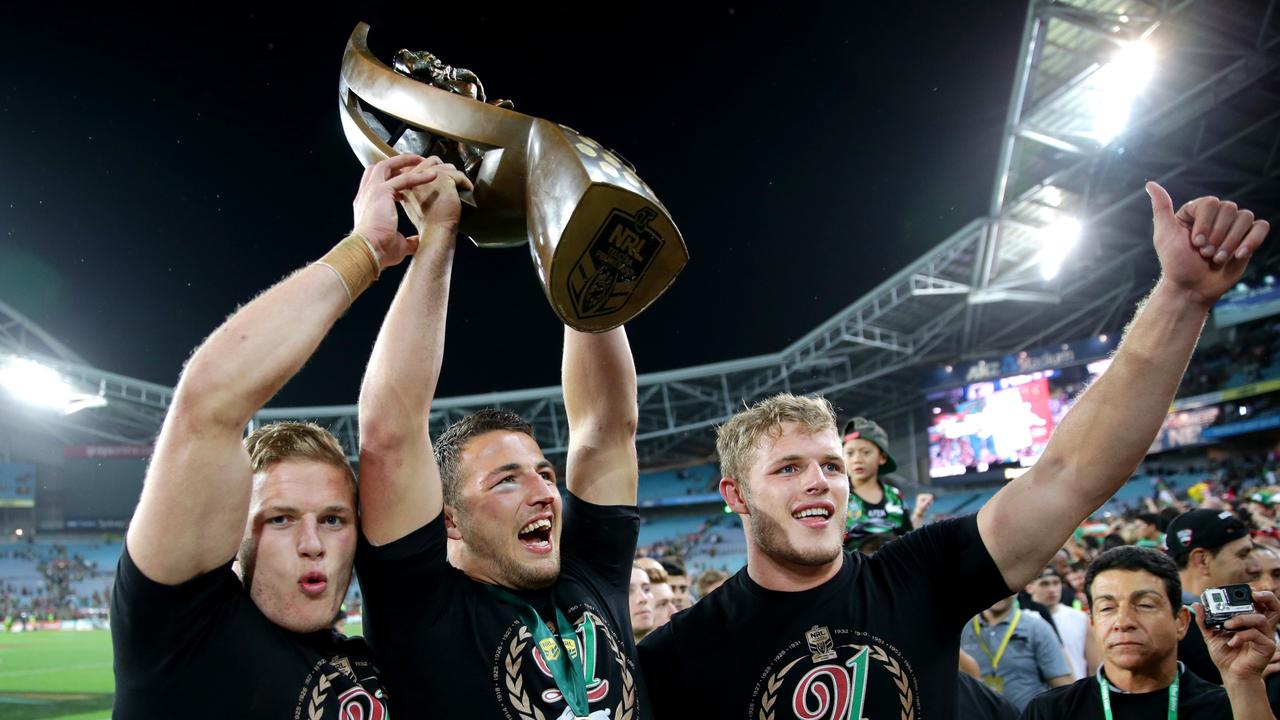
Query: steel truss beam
pixel 1205 124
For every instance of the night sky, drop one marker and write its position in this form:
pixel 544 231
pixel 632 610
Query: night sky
pixel 156 171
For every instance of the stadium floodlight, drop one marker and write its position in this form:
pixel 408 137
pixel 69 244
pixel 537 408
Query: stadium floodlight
pixel 1115 86
pixel 34 384
pixel 1057 240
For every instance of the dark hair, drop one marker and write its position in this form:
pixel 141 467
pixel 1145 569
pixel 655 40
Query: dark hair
pixel 1131 557
pixel 449 445
pixel 1181 560
pixel 1150 518
pixel 1113 541
pixel 674 566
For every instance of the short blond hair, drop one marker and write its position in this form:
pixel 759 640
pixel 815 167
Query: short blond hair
pixel 291 440
pixel 702 584
pixel 657 576
pixel 736 440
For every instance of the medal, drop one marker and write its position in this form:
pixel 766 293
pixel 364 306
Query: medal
pixel 558 649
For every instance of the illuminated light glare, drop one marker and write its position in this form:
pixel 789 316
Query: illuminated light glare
pixel 1102 338
pixel 1052 195
pixel 949 368
pixel 1058 240
pixel 937 411
pixel 1114 88
pixel 1098 367
pixel 34 384
pixel 18 532
pixel 1244 410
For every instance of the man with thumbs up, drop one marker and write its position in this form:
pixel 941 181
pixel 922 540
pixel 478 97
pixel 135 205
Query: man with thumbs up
pixel 867 636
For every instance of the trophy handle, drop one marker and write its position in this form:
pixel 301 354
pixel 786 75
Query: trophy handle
pixel 502 133
pixel 420 104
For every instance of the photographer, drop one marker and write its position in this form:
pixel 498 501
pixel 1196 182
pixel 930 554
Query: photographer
pixel 1135 605
pixel 1211 548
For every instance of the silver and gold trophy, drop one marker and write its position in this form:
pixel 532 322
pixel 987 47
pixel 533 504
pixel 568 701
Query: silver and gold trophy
pixel 603 246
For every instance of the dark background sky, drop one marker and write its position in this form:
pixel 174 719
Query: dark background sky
pixel 158 168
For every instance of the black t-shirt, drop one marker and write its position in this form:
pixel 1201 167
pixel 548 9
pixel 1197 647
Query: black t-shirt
pixel 975 701
pixel 1082 700
pixel 203 649
pixel 453 649
pixel 880 639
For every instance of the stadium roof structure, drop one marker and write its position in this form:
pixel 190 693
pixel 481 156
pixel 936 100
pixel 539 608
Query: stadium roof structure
pixel 1081 135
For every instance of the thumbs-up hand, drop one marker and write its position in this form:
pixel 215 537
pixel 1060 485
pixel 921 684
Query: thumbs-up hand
pixel 1205 246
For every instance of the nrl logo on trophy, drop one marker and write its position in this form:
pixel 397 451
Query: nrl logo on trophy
pixel 603 246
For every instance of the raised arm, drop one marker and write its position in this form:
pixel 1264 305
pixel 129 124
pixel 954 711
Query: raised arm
pixel 1102 439
pixel 599 379
pixel 399 481
pixel 195 499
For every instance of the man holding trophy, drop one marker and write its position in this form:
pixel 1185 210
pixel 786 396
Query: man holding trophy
pixel 487 593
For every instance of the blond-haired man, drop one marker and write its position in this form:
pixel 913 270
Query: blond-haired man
pixel 281 505
pixel 808 631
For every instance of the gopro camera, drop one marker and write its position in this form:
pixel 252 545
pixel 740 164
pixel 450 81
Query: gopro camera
pixel 1223 603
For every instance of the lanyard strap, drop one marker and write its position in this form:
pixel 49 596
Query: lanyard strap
pixel 1004 644
pixel 560 650
pixel 1105 689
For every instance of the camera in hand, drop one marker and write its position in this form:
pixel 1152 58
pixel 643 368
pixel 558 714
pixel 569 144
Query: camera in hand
pixel 1223 603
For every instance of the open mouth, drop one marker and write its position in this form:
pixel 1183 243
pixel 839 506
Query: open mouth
pixel 536 536
pixel 313 583
pixel 814 516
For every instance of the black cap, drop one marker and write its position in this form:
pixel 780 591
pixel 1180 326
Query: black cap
pixel 1208 529
pixel 864 429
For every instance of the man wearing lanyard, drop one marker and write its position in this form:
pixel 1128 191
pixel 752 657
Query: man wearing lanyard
pixel 468 593
pixel 1017 652
pixel 1135 604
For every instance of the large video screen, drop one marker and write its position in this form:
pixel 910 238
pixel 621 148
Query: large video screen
pixel 1002 422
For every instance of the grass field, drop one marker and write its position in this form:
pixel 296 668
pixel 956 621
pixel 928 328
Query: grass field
pixel 59 675
pixel 62 675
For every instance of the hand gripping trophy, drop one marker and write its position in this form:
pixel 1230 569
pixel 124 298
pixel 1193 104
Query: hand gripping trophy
pixel 603 246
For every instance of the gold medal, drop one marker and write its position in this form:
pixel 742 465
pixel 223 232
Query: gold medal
pixel 995 682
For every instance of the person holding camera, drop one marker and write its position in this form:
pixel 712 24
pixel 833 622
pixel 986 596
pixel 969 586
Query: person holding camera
pixel 1135 604
pixel 1211 548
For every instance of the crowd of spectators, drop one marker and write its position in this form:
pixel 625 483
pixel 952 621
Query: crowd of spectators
pixel 64 585
pixel 1244 355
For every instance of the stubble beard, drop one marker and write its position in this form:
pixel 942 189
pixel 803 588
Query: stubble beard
pixel 507 570
pixel 270 604
pixel 771 537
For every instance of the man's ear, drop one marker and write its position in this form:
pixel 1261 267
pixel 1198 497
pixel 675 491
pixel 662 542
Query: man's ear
pixel 1183 621
pixel 1200 560
pixel 451 524
pixel 734 494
